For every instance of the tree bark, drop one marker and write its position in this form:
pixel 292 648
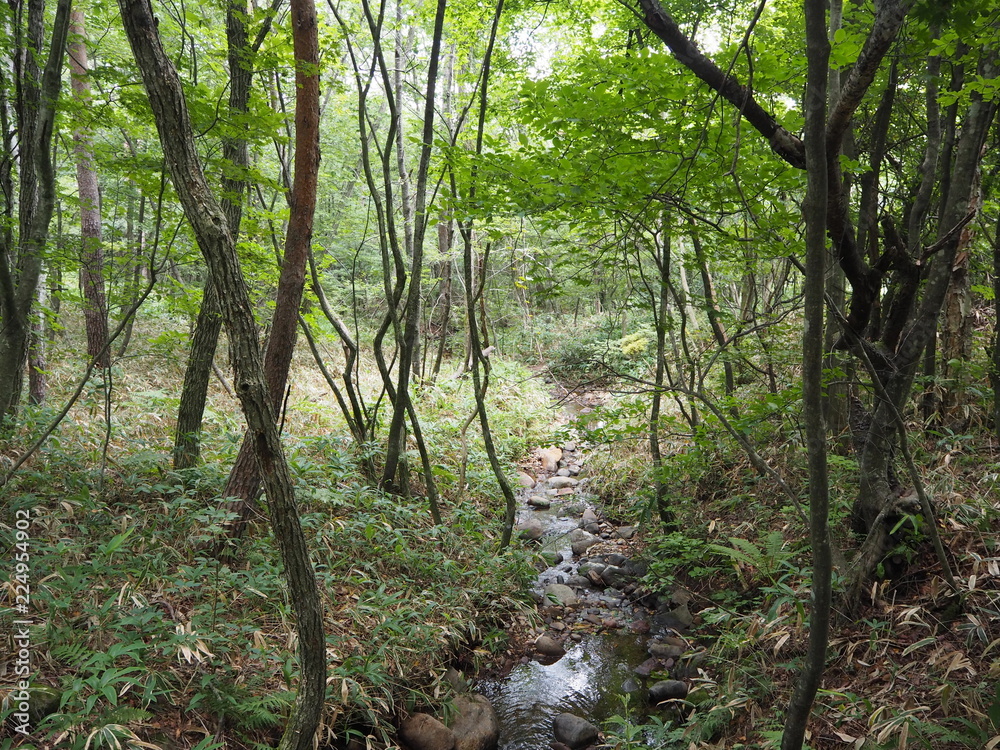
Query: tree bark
pixel 205 340
pixel 38 93
pixel 244 479
pixel 218 247
pixel 95 305
pixel 814 212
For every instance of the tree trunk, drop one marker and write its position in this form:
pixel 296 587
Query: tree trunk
pixel 244 479
pixel 95 306
pixel 219 248
pixel 814 211
pixel 36 106
pixel 194 391
pixel 38 382
pixel 205 340
pixel 662 258
pixel 407 339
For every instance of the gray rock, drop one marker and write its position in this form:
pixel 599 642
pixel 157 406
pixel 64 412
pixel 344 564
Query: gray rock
pixel 547 646
pixel 616 558
pixel 586 567
pixel 561 593
pixel 569 447
pixel 525 479
pixel 574 731
pixel 574 469
pixel 582 546
pixel 589 516
pixel 665 650
pixel 579 582
pixel 424 732
pixel 552 558
pixel 638 568
pixel 615 577
pixel 564 472
pixel 456 679
pixel 593 528
pixel 537 501
pixel 666 690
pixel 530 530
pixel 476 726
pixel 559 482
pixel 678 619
pixel 626 532
pixel 582 541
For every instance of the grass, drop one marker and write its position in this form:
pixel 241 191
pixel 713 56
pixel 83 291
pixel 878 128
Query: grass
pixel 143 639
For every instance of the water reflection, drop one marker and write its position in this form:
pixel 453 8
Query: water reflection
pixel 587 682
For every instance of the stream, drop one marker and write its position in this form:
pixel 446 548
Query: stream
pixel 605 635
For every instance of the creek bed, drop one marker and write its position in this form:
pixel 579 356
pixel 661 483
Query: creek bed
pixel 588 681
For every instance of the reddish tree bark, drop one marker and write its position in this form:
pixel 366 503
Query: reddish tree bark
pixel 244 479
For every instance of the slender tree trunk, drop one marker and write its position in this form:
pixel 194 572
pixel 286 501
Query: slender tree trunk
pixel 244 479
pixel 38 382
pixel 713 312
pixel 205 339
pixel 37 98
pixel 995 355
pixel 219 248
pixel 95 306
pixel 411 310
pixel 667 518
pixel 480 365
pixel 814 210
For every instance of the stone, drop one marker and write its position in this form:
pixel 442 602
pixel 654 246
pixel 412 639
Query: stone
pixel 525 479
pixel 589 516
pixel 569 447
pixel 616 558
pixel 647 667
pixel 564 472
pixel 562 594
pixel 531 530
pixel 476 726
pixel 582 541
pixel 596 579
pixel 592 528
pixel 625 532
pixel 424 732
pixel 678 619
pixel 573 731
pixel 551 557
pixel 666 690
pixel 456 679
pixel 563 491
pixel 548 646
pixel 680 596
pixel 638 568
pixel 550 458
pixel 562 482
pixel 539 502
pixel 665 650
pixel 574 469
pixel 615 577
pixel 579 582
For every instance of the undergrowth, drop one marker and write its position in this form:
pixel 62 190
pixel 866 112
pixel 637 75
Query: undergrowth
pixel 143 638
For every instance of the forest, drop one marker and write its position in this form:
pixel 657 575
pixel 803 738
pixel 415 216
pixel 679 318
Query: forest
pixel 463 375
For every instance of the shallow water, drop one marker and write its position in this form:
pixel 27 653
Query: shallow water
pixel 588 681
